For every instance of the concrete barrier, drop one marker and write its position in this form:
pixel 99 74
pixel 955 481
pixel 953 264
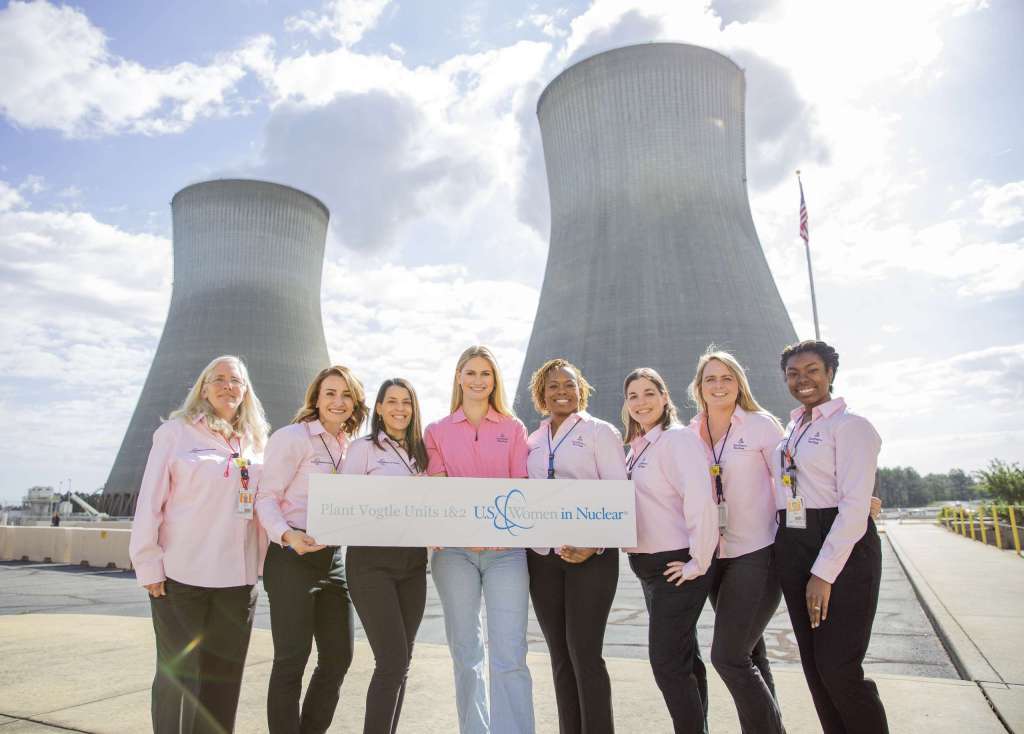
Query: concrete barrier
pixel 94 546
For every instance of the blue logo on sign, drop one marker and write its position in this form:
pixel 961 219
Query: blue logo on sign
pixel 503 507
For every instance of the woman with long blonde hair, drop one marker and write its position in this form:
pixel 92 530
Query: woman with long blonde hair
pixel 305 581
pixel 738 437
pixel 196 548
pixel 483 438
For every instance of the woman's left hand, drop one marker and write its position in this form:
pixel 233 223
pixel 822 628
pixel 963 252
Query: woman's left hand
pixel 674 574
pixel 572 554
pixel 876 508
pixel 818 592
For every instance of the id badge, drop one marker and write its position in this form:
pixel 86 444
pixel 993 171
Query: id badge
pixel 796 515
pixel 723 515
pixel 245 504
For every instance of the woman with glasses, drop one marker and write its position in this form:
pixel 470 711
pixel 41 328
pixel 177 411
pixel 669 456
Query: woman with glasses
pixel 389 585
pixel 572 588
pixel 305 580
pixel 483 438
pixel 196 548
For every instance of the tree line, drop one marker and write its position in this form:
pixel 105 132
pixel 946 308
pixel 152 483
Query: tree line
pixel 903 486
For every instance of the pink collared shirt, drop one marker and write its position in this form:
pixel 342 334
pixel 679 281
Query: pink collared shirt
pixel 293 453
pixel 674 506
pixel 748 487
pixel 497 449
pixel 835 467
pixel 585 447
pixel 390 459
pixel 187 525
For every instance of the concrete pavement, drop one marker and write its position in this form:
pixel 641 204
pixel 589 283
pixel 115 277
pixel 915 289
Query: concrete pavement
pixel 975 596
pixel 76 653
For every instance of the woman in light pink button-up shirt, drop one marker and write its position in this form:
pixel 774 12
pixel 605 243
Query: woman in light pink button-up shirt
pixel 573 588
pixel 196 547
pixel 739 437
pixel 305 581
pixel 829 561
pixel 389 585
pixel 677 535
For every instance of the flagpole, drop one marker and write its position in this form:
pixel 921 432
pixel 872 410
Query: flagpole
pixel 807 247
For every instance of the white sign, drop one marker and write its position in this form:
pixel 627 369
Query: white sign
pixel 462 512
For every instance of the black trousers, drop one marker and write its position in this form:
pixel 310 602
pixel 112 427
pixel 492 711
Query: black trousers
pixel 202 637
pixel 389 591
pixel 745 593
pixel 572 602
pixel 308 600
pixel 833 654
pixel 672 637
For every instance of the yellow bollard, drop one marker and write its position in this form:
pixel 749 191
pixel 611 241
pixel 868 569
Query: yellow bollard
pixel 963 527
pixel 971 515
pixel 995 524
pixel 1013 527
pixel 981 524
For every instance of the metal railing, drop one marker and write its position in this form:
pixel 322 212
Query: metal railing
pixel 1000 522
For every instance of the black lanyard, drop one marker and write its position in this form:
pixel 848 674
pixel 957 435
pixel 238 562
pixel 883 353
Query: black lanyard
pixel 335 464
pixel 399 455
pixel 790 456
pixel 631 464
pixel 716 468
pixel 551 451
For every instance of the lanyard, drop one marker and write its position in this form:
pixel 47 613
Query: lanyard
pixel 399 455
pixel 551 451
pixel 335 464
pixel 789 457
pixel 716 468
pixel 233 454
pixel 631 464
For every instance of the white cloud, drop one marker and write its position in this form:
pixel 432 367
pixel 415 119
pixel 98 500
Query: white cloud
pixel 345 20
pixel 54 53
pixel 9 197
pixel 1001 206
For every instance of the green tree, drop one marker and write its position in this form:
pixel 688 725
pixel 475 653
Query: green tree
pixel 1002 481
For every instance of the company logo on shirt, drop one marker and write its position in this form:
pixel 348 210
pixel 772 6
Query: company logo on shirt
pixel 318 460
pixel 815 439
pixel 578 442
pixel 502 438
pixel 740 445
pixel 200 451
pixel 383 461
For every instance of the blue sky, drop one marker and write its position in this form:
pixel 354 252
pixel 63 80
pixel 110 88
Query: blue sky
pixel 414 122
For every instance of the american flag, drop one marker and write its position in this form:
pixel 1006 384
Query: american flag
pixel 803 215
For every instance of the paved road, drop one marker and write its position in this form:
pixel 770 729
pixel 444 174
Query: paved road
pixel 903 643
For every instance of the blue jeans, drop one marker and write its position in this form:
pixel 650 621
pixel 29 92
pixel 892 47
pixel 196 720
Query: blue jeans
pixel 460 575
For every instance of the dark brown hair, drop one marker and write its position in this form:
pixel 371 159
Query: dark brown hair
pixel 829 356
pixel 413 432
pixel 668 417
pixel 308 411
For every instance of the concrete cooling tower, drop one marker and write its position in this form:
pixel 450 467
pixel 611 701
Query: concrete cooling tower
pixel 248 262
pixel 653 251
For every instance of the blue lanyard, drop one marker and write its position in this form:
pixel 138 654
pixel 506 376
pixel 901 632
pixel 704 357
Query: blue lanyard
pixel 551 451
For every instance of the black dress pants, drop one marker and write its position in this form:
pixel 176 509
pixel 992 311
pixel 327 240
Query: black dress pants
pixel 389 591
pixel 202 637
pixel 572 602
pixel 308 600
pixel 672 637
pixel 833 654
pixel 745 593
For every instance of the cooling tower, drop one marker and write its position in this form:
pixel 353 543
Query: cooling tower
pixel 653 251
pixel 248 261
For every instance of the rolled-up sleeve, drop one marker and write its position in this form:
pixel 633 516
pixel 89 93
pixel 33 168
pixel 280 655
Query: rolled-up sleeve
pixel 435 459
pixel 857 445
pixel 281 461
pixel 609 453
pixel 144 545
pixel 691 476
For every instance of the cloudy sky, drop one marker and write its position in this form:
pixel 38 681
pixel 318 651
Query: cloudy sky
pixel 414 121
